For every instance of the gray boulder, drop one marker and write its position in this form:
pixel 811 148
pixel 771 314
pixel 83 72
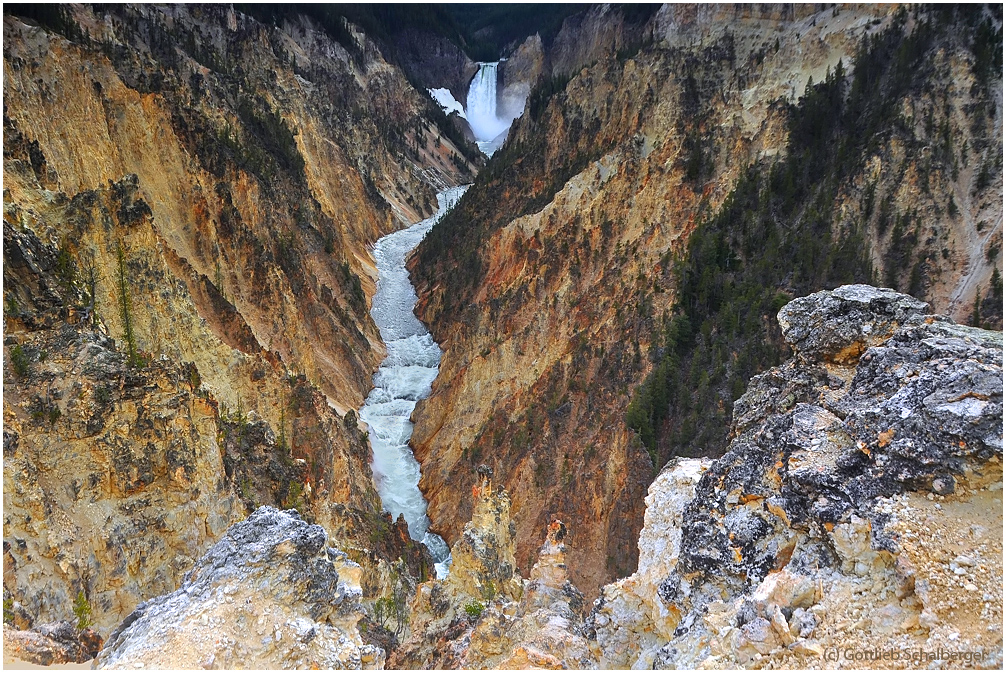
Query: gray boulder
pixel 270 594
pixel 838 325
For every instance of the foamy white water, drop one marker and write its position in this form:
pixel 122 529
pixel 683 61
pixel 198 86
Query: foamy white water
pixel 490 130
pixel 404 377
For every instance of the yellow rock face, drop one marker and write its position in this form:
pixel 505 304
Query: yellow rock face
pixel 218 223
pixel 243 194
pixel 117 492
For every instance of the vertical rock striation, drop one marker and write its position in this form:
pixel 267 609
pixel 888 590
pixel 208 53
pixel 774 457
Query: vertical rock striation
pixel 113 475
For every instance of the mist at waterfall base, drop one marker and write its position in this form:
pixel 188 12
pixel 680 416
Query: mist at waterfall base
pixel 490 131
pixel 404 377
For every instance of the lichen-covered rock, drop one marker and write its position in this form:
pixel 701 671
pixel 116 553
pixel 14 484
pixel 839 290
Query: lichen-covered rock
pixel 838 325
pixel 858 504
pixel 270 594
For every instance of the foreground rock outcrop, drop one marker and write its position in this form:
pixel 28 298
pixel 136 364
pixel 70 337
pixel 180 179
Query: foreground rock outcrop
pixel 858 507
pixel 270 594
pixel 51 643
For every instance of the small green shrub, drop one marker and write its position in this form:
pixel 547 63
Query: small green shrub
pixel 474 610
pixel 8 610
pixel 11 306
pixel 383 609
pixel 82 611
pixel 125 310
pixel 488 590
pixel 66 267
pixel 295 497
pixel 20 361
pixel 378 531
pixel 102 395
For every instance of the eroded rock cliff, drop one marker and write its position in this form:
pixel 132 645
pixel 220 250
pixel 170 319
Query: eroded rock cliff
pixel 858 507
pixel 267 156
pixel 113 476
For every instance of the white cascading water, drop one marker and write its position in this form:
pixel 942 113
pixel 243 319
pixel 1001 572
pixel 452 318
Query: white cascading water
pixel 404 377
pixel 490 131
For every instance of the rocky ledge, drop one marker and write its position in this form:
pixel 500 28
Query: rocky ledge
pixel 856 512
pixel 484 615
pixel 51 643
pixel 270 594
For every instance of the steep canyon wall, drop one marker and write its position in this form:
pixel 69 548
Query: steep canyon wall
pixel 222 179
pixel 554 283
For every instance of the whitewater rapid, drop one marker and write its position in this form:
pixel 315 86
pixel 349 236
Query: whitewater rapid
pixel 405 377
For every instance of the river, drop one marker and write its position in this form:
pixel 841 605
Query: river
pixel 405 377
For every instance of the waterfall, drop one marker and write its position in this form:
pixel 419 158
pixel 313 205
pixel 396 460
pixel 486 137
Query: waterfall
pixel 490 131
pixel 404 377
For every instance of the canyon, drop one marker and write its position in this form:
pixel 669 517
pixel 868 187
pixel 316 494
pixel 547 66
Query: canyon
pixel 810 537
pixel 552 286
pixel 170 220
pixel 612 279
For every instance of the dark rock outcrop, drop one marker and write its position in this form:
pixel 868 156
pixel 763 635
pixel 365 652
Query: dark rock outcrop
pixel 52 643
pixel 434 61
pixel 838 326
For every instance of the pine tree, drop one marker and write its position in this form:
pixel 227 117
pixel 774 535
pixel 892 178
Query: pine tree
pixel 82 611
pixel 125 310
